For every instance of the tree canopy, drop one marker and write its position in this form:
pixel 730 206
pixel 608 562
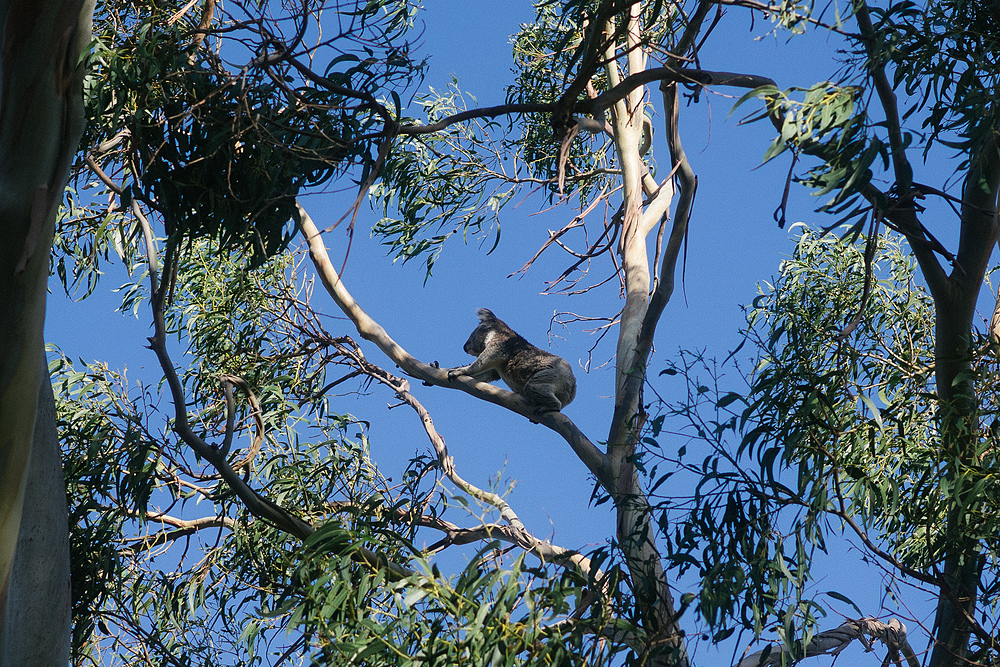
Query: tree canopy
pixel 232 509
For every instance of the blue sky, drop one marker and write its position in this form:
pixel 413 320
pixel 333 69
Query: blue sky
pixel 733 244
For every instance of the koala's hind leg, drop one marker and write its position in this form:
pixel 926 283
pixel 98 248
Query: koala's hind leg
pixel 540 391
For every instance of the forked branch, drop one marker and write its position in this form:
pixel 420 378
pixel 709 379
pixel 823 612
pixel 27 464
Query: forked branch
pixel 370 330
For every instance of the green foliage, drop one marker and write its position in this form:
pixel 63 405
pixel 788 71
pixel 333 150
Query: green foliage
pixel 86 235
pixel 218 137
pixel 168 562
pixel 938 57
pixel 856 416
pixel 546 55
pixel 106 457
pixel 829 124
pixel 839 432
pixel 456 181
pixel 943 56
pixel 485 615
pixel 437 185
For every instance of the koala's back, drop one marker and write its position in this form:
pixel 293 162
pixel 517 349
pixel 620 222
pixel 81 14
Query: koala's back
pixel 528 365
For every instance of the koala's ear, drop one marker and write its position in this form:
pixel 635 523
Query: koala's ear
pixel 486 315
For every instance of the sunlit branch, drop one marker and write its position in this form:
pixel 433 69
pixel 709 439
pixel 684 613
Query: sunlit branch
pixel 96 168
pixel 106 146
pixel 370 330
pixel 515 531
pixel 688 185
pixel 608 632
pixel 183 528
pixel 832 642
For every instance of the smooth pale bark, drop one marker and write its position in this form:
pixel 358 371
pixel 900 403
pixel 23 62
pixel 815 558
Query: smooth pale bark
pixel 36 626
pixel 634 529
pixel 41 118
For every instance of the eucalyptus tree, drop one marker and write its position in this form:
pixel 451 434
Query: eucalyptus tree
pixel 915 80
pixel 41 114
pixel 206 124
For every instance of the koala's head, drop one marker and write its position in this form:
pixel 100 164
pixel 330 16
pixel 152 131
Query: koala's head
pixel 480 336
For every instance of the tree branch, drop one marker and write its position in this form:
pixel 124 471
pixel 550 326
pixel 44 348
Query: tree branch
pixel 485 112
pixel 832 642
pixel 257 504
pixel 183 528
pixel 901 166
pixel 370 330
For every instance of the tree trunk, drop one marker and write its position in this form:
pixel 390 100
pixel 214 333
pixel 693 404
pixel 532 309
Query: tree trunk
pixel 36 626
pixel 955 301
pixel 41 119
pixel 635 533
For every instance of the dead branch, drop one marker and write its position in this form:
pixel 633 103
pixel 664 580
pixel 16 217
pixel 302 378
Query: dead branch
pixel 832 642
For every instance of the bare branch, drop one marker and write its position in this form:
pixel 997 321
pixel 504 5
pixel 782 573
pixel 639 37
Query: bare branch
pixel 672 74
pixel 370 330
pixel 485 112
pixel 256 412
pixel 832 642
pixel 96 168
pixel 183 528
pixel 577 221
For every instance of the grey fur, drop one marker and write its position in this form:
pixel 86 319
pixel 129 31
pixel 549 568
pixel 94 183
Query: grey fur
pixel 544 379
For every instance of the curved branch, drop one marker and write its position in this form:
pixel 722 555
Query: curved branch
pixel 182 528
pixel 257 504
pixel 601 103
pixel 685 76
pixel 901 166
pixel 688 185
pixel 832 642
pixel 370 330
pixel 258 419
pixel 485 112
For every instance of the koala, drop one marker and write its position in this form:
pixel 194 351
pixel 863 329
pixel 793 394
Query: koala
pixel 544 379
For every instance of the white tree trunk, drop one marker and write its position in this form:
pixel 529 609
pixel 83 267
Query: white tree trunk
pixel 36 627
pixel 41 119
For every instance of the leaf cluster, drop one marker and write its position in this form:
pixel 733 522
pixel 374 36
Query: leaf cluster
pixel 437 185
pixel 943 56
pixel 224 129
pixel 839 430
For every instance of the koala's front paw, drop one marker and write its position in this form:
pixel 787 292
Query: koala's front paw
pixel 433 364
pixel 453 374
